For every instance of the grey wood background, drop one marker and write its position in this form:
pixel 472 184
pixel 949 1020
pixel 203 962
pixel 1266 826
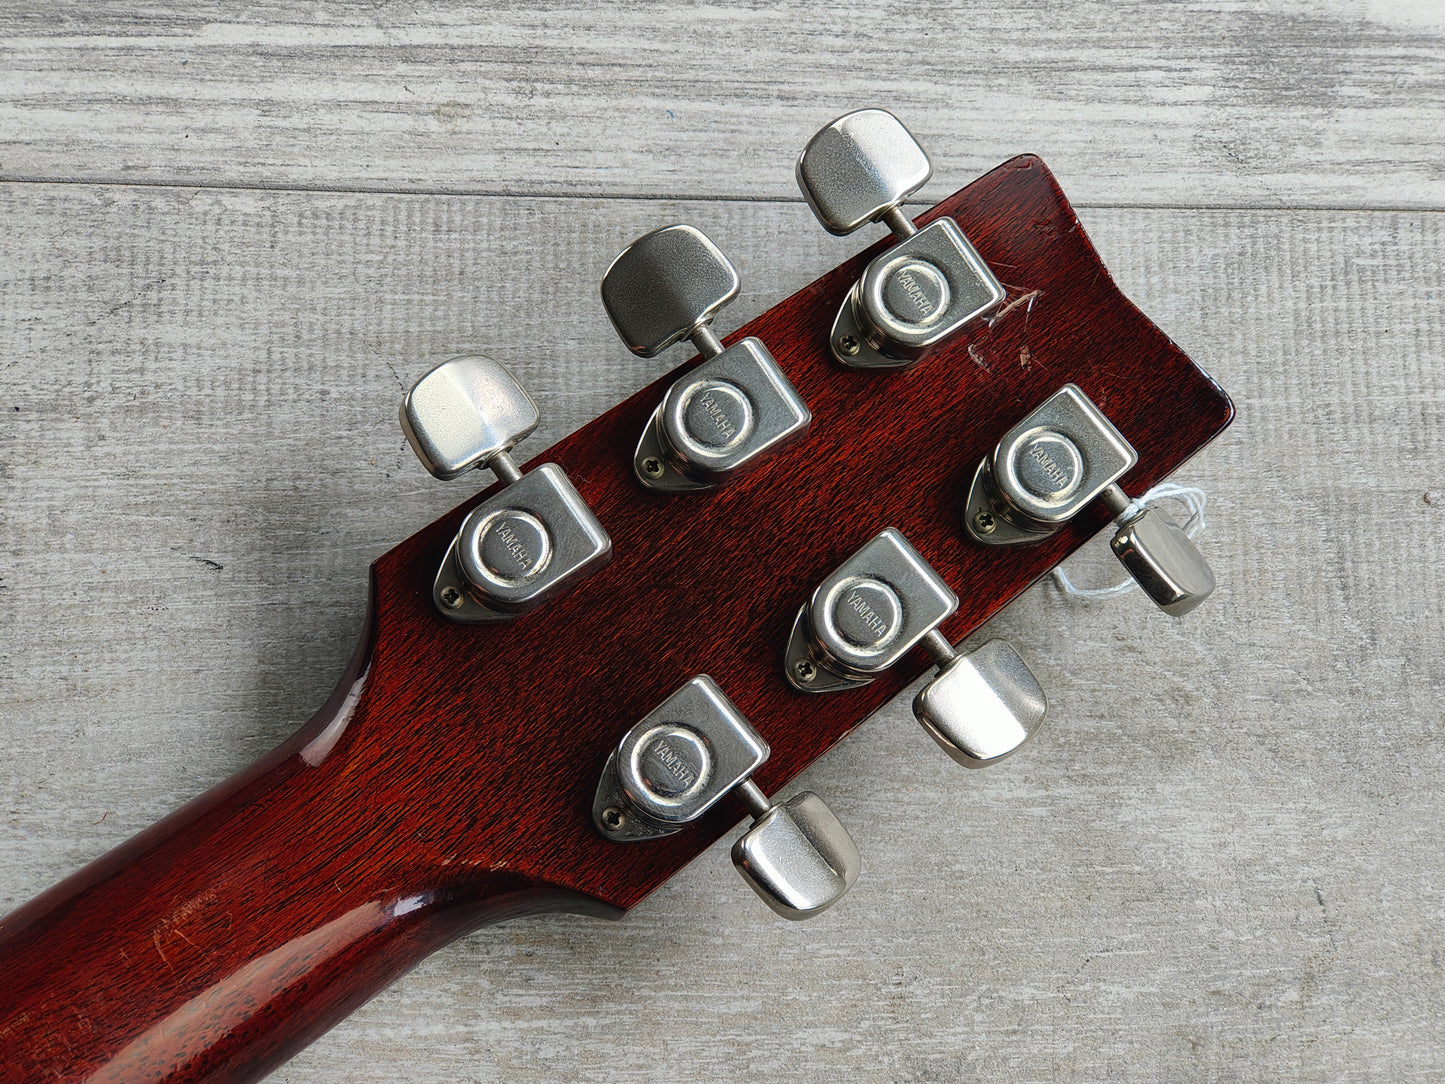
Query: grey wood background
pixel 232 234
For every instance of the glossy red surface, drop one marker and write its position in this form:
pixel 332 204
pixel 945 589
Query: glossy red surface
pixel 448 782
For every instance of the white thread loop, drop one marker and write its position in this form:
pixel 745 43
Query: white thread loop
pixel 1191 497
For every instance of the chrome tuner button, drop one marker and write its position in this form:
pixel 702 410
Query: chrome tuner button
pixel 928 286
pixel 682 758
pixel 1062 456
pixel 1161 558
pixel 728 414
pixel 523 545
pixel 797 856
pixel 886 599
pixel 982 706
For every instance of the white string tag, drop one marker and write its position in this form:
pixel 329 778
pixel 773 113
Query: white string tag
pixel 1191 497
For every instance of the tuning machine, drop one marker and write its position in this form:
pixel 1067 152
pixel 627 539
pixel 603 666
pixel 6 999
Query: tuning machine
pixel 722 418
pixel 682 758
pixel 522 545
pixel 880 603
pixel 1064 454
pixel 929 285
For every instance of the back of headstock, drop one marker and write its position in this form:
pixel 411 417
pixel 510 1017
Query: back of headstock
pixel 710 582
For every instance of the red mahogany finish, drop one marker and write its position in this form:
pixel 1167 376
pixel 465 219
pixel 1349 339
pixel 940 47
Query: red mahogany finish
pixel 448 782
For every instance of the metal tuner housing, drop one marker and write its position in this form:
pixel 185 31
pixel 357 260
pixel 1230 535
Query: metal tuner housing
pixel 725 417
pixel 865 616
pixel 521 546
pixel 1062 456
pixel 682 758
pixel 886 599
pixel 921 291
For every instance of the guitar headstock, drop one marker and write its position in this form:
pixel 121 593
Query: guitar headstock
pixel 487 739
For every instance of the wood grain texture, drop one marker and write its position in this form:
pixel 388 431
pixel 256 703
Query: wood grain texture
pixel 1281 103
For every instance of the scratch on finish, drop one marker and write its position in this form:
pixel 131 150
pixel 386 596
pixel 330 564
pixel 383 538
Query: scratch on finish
pixel 156 940
pixel 977 357
pixel 1026 299
pixel 252 988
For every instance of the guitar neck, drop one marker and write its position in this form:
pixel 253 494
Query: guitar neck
pixel 225 938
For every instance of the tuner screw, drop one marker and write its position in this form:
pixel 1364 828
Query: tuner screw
pixel 805 670
pixel 984 522
pixel 848 344
pixel 652 467
pixel 613 818
pixel 451 597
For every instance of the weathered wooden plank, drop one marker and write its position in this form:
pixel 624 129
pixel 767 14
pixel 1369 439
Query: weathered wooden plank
pixel 1283 103
pixel 1219 861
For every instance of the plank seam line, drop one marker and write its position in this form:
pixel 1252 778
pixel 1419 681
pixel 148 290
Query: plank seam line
pixel 673 197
